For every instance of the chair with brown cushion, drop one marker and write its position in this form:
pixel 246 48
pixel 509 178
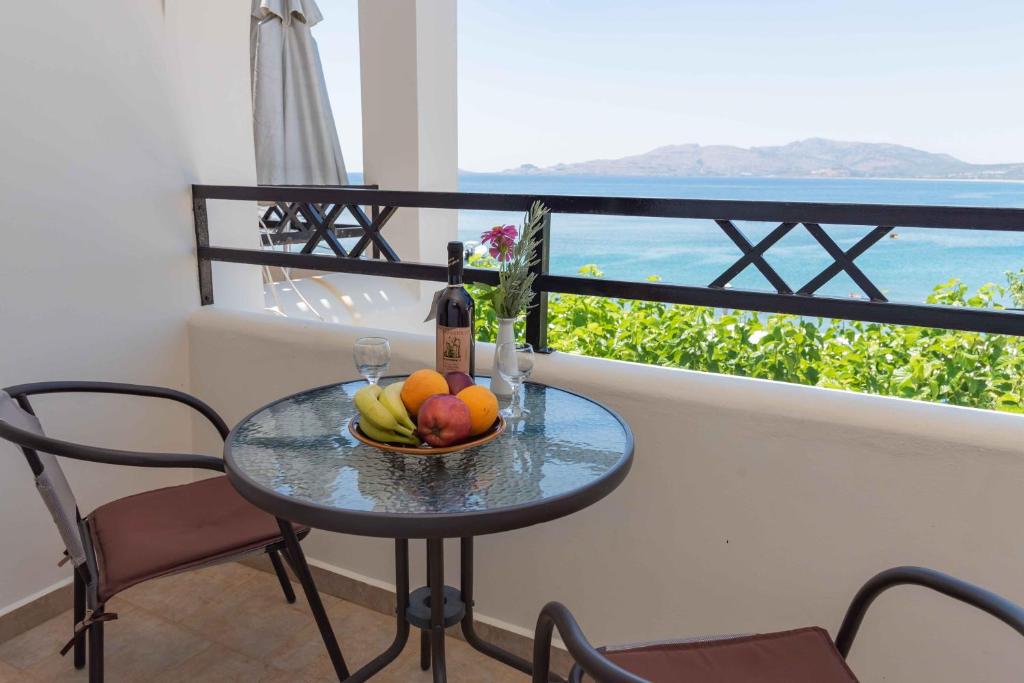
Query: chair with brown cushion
pixel 151 534
pixel 805 655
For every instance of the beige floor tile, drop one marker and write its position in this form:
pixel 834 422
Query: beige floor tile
pixel 36 644
pixel 283 677
pixel 231 623
pixel 270 587
pixel 370 633
pixel 147 646
pixel 251 621
pixel 362 634
pixel 214 665
pixel 466 664
pixel 180 596
pixel 8 674
pixel 138 647
pixel 28 650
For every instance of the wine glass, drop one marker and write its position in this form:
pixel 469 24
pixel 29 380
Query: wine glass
pixel 515 363
pixel 372 356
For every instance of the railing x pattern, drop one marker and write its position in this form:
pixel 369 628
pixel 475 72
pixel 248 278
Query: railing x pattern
pixel 311 215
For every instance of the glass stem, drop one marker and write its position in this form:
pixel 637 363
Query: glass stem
pixel 516 409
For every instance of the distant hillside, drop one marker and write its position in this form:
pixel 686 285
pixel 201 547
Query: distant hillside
pixel 806 158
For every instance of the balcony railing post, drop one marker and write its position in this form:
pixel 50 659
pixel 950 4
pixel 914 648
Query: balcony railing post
pixel 374 215
pixel 201 220
pixel 537 317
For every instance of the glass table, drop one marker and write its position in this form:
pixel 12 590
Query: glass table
pixel 296 459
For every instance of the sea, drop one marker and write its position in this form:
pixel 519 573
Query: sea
pixel 905 267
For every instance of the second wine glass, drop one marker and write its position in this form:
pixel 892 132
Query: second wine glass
pixel 515 363
pixel 372 356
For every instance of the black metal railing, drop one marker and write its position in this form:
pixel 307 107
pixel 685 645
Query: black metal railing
pixel 316 212
pixel 285 223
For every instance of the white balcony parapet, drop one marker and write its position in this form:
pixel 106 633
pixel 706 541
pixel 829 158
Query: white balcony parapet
pixel 378 302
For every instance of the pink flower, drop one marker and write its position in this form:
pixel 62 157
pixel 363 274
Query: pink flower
pixel 500 240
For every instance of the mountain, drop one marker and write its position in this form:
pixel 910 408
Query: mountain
pixel 814 157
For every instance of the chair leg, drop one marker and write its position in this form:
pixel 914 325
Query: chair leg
pixel 282 576
pixel 298 562
pixel 79 615
pixel 96 652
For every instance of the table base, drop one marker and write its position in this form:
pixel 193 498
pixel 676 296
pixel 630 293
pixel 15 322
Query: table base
pixel 418 609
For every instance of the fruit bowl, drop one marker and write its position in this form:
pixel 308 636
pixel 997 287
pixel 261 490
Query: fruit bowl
pixel 492 433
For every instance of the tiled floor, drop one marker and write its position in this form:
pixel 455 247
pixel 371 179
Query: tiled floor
pixel 230 623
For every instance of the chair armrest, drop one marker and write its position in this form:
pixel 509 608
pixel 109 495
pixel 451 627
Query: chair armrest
pixel 38 388
pixel 555 614
pixel 1009 613
pixel 109 456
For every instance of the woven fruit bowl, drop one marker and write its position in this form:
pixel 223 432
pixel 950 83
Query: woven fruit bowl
pixel 425 449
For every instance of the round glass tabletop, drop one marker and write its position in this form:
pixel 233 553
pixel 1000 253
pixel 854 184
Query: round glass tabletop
pixel 296 459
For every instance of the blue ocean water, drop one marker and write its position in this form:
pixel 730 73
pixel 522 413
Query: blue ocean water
pixel 696 252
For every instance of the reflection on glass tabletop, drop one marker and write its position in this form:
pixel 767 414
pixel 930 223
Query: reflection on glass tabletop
pixel 300 448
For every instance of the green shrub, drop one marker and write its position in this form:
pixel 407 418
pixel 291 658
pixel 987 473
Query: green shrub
pixel 962 368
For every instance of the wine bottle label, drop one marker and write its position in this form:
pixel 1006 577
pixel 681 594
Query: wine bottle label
pixel 453 349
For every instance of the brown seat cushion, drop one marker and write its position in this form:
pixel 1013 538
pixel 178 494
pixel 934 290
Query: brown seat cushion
pixel 170 529
pixel 805 655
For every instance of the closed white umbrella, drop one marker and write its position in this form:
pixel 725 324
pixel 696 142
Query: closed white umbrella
pixel 296 140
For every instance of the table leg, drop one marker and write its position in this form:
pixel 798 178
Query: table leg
pixel 425 650
pixel 402 626
pixel 298 562
pixel 425 635
pixel 435 555
pixel 432 642
pixel 468 628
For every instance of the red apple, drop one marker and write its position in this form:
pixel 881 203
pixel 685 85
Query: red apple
pixel 443 420
pixel 457 381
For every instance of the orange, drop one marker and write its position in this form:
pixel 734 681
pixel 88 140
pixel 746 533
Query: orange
pixel 420 386
pixel 483 407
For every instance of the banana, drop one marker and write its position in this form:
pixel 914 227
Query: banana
pixel 391 398
pixel 384 435
pixel 373 411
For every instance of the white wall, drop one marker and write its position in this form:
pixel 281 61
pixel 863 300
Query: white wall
pixel 751 505
pixel 110 113
pixel 207 51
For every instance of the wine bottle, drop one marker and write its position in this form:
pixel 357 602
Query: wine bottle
pixel 456 347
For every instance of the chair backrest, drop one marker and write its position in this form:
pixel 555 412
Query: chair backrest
pixel 50 480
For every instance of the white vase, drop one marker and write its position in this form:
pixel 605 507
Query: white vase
pixel 506 333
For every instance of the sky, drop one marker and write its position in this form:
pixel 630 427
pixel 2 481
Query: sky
pixel 549 81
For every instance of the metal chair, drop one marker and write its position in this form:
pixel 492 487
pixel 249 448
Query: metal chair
pixel 806 655
pixel 151 534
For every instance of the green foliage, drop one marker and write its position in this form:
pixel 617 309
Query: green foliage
pixel 1016 287
pixel 962 368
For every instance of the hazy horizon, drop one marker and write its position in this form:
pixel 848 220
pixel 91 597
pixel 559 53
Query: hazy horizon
pixel 571 162
pixel 513 169
pixel 545 83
